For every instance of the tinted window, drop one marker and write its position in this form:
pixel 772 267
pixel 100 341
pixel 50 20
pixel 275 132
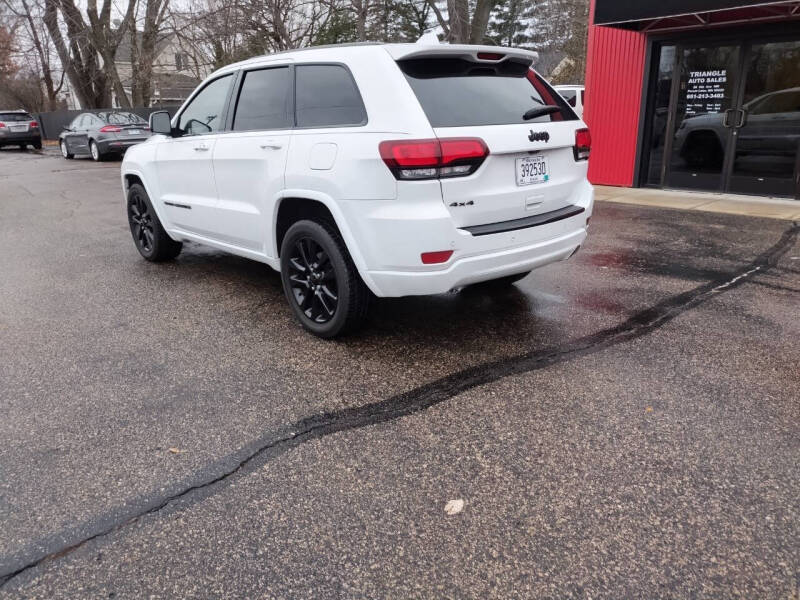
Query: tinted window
pixel 327 96
pixel 14 117
pixel 122 118
pixel 76 122
pixel 92 122
pixel 456 93
pixel 204 113
pixel 569 95
pixel 265 100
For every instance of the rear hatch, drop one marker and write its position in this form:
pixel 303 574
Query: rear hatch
pixel 528 128
pixel 16 122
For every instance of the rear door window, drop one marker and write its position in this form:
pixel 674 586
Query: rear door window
pixel 455 92
pixel 265 100
pixel 327 96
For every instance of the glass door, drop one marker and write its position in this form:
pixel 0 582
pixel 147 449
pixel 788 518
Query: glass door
pixel 704 101
pixel 766 131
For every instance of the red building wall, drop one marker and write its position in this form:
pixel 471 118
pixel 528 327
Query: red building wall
pixel 614 79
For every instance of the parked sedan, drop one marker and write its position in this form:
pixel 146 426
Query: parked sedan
pixel 102 134
pixel 19 128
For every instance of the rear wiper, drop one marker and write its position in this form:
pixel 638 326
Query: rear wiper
pixel 540 111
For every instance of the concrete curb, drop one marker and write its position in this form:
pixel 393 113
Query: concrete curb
pixel 753 206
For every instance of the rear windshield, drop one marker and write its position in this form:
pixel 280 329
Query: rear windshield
pixel 121 118
pixel 456 93
pixel 11 117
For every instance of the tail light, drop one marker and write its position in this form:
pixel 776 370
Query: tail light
pixel 34 125
pixel 434 158
pixel 2 125
pixel 583 144
pixel 110 129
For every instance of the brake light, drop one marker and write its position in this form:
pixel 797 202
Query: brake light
pixel 2 125
pixel 434 158
pixel 34 125
pixel 583 144
pixel 490 56
pixel 110 129
pixel 435 258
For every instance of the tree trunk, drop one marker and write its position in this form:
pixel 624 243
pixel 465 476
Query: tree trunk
pixel 480 21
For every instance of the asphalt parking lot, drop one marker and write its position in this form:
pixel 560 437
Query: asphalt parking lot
pixel 625 424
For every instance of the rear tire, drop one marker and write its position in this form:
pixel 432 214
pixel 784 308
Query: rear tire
pixel 94 150
pixel 151 240
pixel 64 152
pixel 321 283
pixel 38 145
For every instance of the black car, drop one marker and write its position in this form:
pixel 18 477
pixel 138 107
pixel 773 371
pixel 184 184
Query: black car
pixel 19 128
pixel 102 134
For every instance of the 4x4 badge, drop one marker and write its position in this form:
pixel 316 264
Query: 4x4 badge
pixel 539 136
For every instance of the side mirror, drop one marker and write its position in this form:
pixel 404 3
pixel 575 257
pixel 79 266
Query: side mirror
pixel 160 122
pixel 66 128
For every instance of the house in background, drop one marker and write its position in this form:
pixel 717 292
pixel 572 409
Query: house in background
pixel 175 74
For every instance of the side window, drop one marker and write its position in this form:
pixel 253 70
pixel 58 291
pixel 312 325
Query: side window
pixel 76 122
pixel 327 96
pixel 92 122
pixel 204 112
pixel 265 100
pixel 583 97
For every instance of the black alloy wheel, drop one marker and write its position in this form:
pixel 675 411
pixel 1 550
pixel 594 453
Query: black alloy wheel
pixel 321 283
pixel 152 242
pixel 141 223
pixel 313 280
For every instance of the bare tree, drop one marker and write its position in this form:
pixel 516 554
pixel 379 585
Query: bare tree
pixel 464 23
pixel 37 49
pixel 143 50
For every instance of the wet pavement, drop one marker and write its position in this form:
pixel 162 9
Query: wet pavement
pixel 625 424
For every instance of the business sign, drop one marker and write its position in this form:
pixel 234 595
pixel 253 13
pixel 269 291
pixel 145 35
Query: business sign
pixel 705 91
pixel 607 12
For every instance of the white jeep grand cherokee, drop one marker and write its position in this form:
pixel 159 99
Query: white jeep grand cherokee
pixel 396 169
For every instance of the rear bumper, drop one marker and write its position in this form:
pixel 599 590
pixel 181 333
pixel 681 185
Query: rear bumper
pixel 20 138
pixel 392 235
pixel 117 145
pixel 482 267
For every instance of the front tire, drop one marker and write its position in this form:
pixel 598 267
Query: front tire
pixel 64 152
pixel 151 240
pixel 321 283
pixel 94 150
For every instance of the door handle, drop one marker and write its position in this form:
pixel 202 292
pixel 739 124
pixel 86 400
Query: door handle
pixel 742 118
pixel 726 119
pixel 201 147
pixel 271 144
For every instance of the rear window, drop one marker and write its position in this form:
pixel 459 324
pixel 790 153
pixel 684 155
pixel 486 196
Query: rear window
pixel 457 93
pixel 327 96
pixel 121 118
pixel 12 117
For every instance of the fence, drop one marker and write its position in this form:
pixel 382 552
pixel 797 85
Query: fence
pixel 52 123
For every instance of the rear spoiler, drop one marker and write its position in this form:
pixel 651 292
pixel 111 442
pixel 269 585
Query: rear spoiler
pixel 487 54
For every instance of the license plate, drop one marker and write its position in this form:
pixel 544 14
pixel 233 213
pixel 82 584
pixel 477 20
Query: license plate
pixel 16 128
pixel 532 169
pixel 134 131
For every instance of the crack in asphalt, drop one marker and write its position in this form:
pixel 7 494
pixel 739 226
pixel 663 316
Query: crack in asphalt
pixel 423 397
